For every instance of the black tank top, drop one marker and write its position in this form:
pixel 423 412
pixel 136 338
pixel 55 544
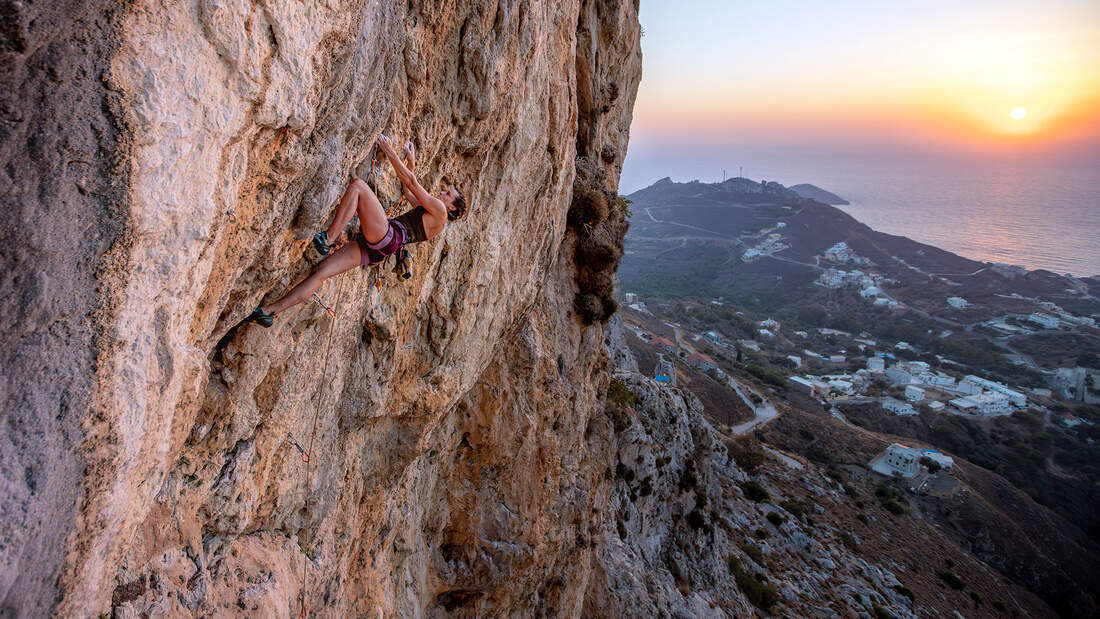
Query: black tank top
pixel 413 220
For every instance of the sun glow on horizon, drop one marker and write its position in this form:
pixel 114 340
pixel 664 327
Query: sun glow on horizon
pixel 856 71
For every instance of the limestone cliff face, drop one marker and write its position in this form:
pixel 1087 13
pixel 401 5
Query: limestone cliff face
pixel 166 163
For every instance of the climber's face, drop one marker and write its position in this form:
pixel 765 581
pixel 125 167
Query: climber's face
pixel 447 195
pixel 455 202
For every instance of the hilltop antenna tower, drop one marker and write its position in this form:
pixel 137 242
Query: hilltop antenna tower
pixel 723 175
pixel 741 171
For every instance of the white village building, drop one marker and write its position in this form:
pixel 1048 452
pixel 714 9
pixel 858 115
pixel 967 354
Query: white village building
pixel 876 364
pixel 989 403
pixel 898 407
pixel 968 388
pixel 945 462
pixel 1044 320
pixel 809 386
pixel 914 393
pixel 898 376
pixel 898 459
pixel 958 302
pixel 1017 398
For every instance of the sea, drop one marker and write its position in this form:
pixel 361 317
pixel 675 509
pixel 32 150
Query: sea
pixel 1038 213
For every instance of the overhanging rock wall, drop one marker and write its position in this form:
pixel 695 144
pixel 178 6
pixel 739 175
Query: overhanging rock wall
pixel 167 163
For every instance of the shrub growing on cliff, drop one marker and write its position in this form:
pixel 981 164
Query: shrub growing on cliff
pixel 596 253
pixel 903 590
pixel 618 393
pixel 600 230
pixel 589 308
pixel 753 552
pixel 793 508
pixel 746 452
pixel 760 594
pixel 754 491
pixel 952 579
pixel 589 206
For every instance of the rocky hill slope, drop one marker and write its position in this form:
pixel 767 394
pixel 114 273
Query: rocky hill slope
pixel 164 165
pixel 813 192
pixel 707 524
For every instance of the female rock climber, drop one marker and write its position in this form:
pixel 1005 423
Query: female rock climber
pixel 378 236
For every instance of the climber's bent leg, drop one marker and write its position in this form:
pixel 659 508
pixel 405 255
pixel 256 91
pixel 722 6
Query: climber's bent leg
pixel 347 257
pixel 372 217
pixel 359 199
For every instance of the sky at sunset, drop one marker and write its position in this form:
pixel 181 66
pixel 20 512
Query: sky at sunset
pixel 974 76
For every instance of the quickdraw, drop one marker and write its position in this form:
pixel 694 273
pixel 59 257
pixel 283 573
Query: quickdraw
pixel 316 299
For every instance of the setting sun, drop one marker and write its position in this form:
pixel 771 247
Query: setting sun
pixel 1018 112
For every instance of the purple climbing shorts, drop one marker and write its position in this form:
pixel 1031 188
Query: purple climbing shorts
pixel 373 253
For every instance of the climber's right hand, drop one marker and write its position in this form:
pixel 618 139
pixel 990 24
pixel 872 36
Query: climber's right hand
pixel 385 144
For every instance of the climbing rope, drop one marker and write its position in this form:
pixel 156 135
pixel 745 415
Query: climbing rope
pixel 307 454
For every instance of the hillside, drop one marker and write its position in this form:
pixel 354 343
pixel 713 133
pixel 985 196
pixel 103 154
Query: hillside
pixel 813 192
pixel 676 227
pixel 423 452
pixel 709 522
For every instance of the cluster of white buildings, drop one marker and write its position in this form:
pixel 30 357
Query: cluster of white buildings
pixel 823 386
pixel 835 278
pixel 770 245
pixel 976 395
pixel 870 284
pixel 842 253
pixel 1050 321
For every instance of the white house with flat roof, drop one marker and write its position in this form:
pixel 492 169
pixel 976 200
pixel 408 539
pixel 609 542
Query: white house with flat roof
pixel 804 385
pixel 989 403
pixel 968 388
pixel 1045 321
pixel 898 376
pixel 1017 398
pixel 914 393
pixel 841 386
pixel 870 292
pixel 945 462
pixel 898 407
pixel 958 302
pixel 898 459
pixel 938 380
pixel 876 364
pixel 936 406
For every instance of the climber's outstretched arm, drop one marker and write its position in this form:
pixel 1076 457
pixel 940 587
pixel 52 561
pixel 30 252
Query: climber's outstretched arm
pixel 430 203
pixel 410 163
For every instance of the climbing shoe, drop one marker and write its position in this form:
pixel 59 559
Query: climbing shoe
pixel 261 317
pixel 320 243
